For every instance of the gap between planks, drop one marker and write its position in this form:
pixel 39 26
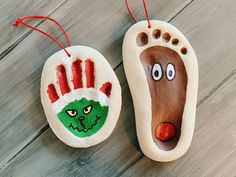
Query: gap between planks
pixel 46 125
pixel 200 102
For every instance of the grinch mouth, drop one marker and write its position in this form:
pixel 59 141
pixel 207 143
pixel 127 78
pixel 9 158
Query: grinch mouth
pixel 85 130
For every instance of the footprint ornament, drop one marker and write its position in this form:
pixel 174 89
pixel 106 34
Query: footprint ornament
pixel 81 96
pixel 162 71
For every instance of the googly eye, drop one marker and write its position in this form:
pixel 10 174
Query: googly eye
pixel 156 72
pixel 87 109
pixel 72 112
pixel 170 71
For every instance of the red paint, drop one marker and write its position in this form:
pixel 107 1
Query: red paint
pixel 165 131
pixel 76 69
pixel 89 72
pixel 106 88
pixel 52 93
pixel 62 80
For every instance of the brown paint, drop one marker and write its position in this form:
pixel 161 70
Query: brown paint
pixel 183 50
pixel 166 37
pixel 168 97
pixel 142 39
pixel 175 41
pixel 156 33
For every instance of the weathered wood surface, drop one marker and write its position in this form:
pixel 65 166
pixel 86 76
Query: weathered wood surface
pixel 31 149
pixel 11 10
pixel 213 150
pixel 56 159
pixel 22 117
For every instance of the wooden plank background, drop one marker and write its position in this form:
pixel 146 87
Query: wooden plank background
pixel 28 146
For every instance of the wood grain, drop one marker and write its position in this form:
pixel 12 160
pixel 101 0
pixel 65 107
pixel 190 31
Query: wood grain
pixel 48 156
pixel 10 10
pixel 210 27
pixel 213 150
pixel 21 113
pixel 31 149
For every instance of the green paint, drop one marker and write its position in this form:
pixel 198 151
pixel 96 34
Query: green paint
pixel 83 117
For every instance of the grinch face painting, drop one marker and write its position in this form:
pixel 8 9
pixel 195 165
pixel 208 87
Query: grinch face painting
pixel 83 117
pixel 81 96
pixel 86 115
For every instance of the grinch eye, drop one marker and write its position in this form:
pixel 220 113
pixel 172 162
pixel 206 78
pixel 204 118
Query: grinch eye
pixel 87 109
pixel 71 113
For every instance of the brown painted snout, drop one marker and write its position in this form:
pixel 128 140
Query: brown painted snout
pixel 167 80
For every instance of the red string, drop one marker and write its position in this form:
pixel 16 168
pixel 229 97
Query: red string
pixel 20 21
pixel 130 12
pixel 146 12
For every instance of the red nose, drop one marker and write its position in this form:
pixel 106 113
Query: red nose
pixel 165 131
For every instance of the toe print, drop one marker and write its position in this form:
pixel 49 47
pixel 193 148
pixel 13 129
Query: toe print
pixel 183 50
pixel 142 39
pixel 175 41
pixel 163 79
pixel 156 33
pixel 166 37
pixel 81 96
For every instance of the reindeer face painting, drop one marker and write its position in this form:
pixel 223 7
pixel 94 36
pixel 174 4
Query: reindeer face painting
pixel 162 72
pixel 80 114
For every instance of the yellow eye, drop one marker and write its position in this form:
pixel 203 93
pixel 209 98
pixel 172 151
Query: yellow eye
pixel 87 109
pixel 72 112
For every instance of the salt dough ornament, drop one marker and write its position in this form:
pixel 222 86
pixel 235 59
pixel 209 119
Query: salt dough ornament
pixel 162 71
pixel 81 95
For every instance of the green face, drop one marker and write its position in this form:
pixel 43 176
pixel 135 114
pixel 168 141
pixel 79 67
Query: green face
pixel 83 117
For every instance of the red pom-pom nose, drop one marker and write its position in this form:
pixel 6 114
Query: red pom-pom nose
pixel 165 131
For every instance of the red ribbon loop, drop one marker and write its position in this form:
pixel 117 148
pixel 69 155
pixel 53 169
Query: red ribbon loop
pixel 20 21
pixel 133 17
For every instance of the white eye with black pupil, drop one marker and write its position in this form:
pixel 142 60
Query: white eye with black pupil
pixel 156 72
pixel 87 109
pixel 170 72
pixel 72 112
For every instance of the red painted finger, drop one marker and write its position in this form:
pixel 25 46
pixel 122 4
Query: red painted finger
pixel 52 94
pixel 106 88
pixel 62 80
pixel 76 69
pixel 89 72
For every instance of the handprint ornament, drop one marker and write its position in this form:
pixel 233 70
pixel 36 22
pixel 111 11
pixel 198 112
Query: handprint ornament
pixel 81 96
pixel 80 93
